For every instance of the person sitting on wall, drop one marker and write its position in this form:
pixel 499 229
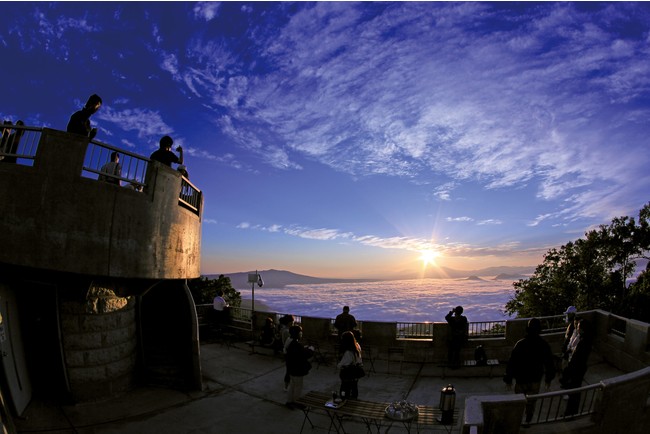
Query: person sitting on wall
pixel 164 153
pixel 113 167
pixel 80 120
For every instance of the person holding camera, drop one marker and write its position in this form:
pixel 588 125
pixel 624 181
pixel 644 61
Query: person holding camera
pixel 79 122
pixel 165 155
pixel 457 335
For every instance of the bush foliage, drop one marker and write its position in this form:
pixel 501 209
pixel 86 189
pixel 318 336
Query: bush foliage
pixel 205 289
pixel 592 273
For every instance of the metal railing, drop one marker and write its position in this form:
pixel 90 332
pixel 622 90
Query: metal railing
pixel 564 404
pixel 414 330
pixel 133 167
pixel 552 324
pixel 190 195
pixel 489 329
pixel 18 144
pixel 133 170
pixel 424 330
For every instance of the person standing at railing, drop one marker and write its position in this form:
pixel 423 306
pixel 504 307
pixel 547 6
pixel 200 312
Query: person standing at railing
pixel 577 355
pixel 345 322
pixel 286 322
pixel 10 142
pixel 220 309
pixel 164 154
pixel 113 167
pixel 569 318
pixel 530 360
pixel 458 332
pixel 80 120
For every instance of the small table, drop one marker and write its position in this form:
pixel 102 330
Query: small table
pixel 372 414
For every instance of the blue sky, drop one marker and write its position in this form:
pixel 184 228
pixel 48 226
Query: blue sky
pixel 344 139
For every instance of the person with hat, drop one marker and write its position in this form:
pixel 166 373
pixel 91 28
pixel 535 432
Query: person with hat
pixel 569 318
pixel 457 335
pixel 530 360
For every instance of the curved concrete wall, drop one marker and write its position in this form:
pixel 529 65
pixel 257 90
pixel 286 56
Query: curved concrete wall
pixel 55 219
pixel 99 341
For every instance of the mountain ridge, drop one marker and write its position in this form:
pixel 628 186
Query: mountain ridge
pixel 280 278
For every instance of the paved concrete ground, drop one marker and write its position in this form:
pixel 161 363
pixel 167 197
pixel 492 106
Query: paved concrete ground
pixel 243 393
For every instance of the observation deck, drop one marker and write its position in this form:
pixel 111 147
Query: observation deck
pixel 93 270
pixel 57 215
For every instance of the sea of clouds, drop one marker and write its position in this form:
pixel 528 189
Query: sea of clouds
pixel 402 300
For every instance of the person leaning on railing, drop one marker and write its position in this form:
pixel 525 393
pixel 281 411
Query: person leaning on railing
pixel 80 120
pixel 164 154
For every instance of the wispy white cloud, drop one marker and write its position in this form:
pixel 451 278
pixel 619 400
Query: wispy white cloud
pixel 411 244
pixel 206 10
pixel 147 123
pixel 459 219
pixel 422 89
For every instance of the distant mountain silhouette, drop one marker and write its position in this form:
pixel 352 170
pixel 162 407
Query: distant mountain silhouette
pixel 473 278
pixel 450 273
pixel 513 277
pixel 281 278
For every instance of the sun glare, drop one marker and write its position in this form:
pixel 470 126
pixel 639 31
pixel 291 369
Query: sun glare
pixel 428 257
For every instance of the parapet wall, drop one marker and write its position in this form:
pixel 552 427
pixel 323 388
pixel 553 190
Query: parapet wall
pixel 56 219
pixel 627 350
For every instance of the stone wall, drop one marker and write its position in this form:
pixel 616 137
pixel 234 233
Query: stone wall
pixel 99 344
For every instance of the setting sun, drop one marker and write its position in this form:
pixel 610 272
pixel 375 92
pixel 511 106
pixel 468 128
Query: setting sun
pixel 428 257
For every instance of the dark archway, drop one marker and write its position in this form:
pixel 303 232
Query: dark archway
pixel 169 344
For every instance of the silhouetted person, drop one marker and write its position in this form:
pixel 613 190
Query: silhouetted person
pixel 531 358
pixel 267 336
pixel 220 309
pixel 112 168
pixel 182 169
pixel 569 318
pixel 164 153
pixel 80 121
pixel 10 141
pixel 351 351
pixel 457 336
pixel 344 321
pixel 297 361
pixel 578 354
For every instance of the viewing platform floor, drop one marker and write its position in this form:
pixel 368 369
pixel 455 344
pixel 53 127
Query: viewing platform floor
pixel 243 393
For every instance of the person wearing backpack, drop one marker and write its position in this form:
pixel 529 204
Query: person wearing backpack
pixel 298 366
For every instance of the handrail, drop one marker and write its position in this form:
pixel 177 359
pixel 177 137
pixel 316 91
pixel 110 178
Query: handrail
pixel 19 145
pixel 190 196
pixel 133 166
pixel 412 330
pixel 555 406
